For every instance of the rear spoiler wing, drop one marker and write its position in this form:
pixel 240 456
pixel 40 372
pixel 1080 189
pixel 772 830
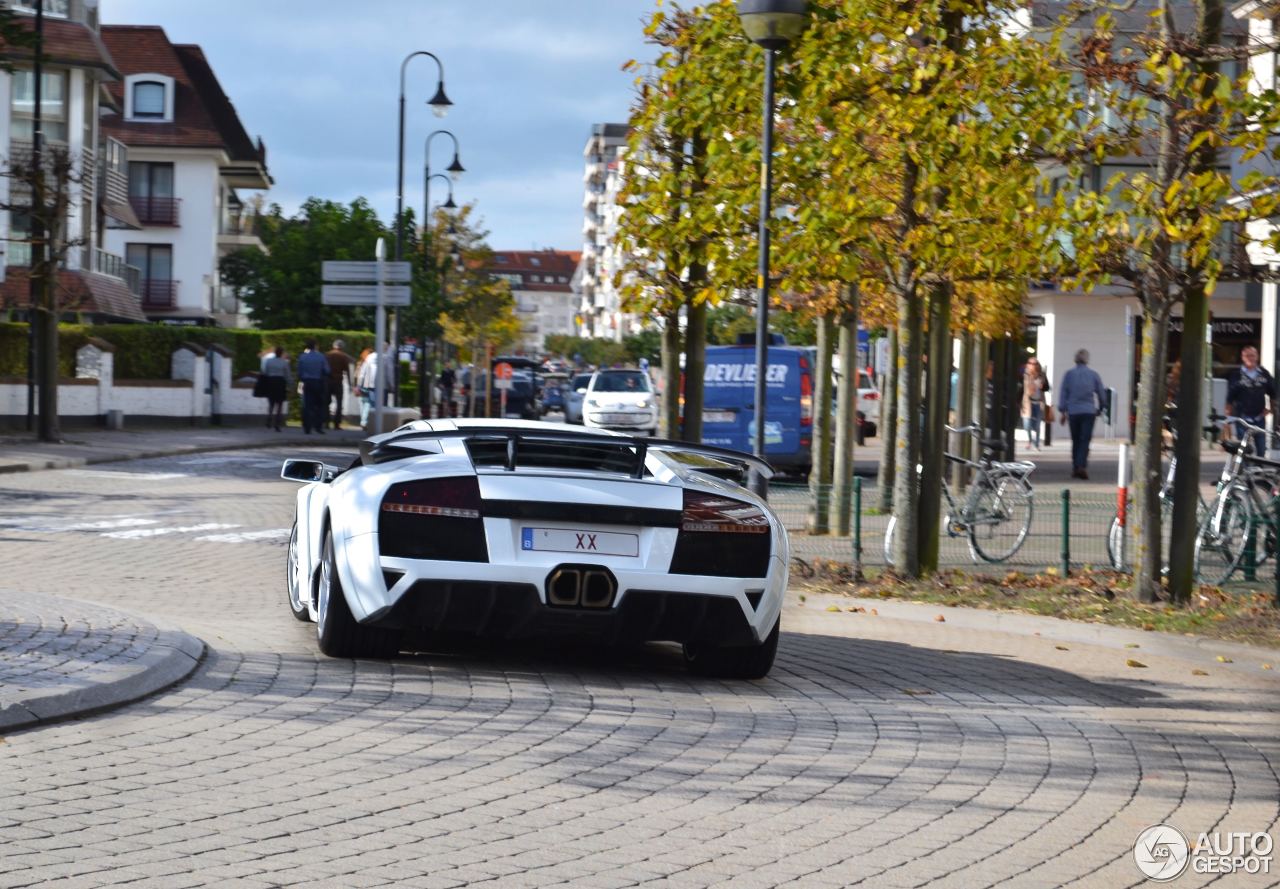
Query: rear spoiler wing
pixel 408 443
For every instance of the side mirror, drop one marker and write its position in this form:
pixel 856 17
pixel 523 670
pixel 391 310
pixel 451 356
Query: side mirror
pixel 308 471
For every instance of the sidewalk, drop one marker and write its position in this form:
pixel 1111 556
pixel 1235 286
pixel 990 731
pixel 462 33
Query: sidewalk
pixel 21 452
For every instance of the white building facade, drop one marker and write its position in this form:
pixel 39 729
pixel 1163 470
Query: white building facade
pixel 189 156
pixel 600 304
pixel 542 286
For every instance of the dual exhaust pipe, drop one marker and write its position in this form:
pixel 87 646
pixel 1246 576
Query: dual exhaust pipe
pixel 581 586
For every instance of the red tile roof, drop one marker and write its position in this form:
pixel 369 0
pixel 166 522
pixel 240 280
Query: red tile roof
pixel 76 292
pixel 527 264
pixel 65 43
pixel 203 116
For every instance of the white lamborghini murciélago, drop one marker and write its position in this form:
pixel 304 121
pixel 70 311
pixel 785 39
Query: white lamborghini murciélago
pixel 512 529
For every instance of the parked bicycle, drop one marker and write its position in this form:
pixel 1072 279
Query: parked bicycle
pixel 1238 529
pixel 996 512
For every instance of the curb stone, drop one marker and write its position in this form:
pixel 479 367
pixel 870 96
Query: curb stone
pixel 169 658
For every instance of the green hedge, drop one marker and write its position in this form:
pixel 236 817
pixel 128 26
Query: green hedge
pixel 144 351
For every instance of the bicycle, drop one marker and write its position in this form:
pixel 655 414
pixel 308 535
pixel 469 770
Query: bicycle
pixel 1117 530
pixel 996 513
pixel 1244 503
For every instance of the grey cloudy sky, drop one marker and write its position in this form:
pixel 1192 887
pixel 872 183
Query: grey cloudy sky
pixel 318 80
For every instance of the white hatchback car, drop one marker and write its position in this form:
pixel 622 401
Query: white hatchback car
pixel 622 400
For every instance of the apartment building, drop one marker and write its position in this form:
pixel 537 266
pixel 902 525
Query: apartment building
pixel 600 305
pixel 189 158
pixel 542 285
pixel 94 283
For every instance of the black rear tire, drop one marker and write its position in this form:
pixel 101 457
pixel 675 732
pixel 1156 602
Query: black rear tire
pixel 337 631
pixel 734 662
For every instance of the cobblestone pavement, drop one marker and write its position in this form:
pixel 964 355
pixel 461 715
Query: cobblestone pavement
pixel 880 752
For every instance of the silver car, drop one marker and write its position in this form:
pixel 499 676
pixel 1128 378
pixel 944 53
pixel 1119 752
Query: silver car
pixel 574 397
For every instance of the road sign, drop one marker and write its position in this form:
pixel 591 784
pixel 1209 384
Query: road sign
pixel 502 375
pixel 364 295
pixel 348 272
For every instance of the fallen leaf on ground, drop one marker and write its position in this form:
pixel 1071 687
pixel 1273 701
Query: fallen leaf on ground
pixel 939 618
pixel 1266 666
pixel 1132 663
pixel 873 611
pixel 1132 645
pixel 1062 648
pixel 852 610
pixel 835 608
pixel 1225 660
pixel 1199 672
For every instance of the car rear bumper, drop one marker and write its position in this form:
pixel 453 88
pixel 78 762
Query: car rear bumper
pixel 516 611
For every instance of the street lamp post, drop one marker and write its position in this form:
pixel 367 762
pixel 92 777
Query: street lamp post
pixel 771 24
pixel 428 263
pixel 440 105
pixel 455 171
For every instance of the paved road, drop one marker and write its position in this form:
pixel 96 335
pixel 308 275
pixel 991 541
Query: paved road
pixel 881 752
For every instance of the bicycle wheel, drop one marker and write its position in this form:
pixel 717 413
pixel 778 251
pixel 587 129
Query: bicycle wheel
pixel 1221 540
pixel 888 540
pixel 1000 519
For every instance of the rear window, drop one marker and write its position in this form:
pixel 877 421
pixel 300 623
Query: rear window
pixel 581 381
pixel 864 381
pixel 621 381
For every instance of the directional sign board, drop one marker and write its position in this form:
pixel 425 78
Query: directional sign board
pixel 364 294
pixel 348 272
pixel 502 375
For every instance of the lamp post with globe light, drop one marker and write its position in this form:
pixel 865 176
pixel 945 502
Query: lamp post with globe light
pixel 772 25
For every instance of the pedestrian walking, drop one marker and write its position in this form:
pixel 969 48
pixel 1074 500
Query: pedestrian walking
pixel 276 380
pixel 367 380
pixel 1080 399
pixel 313 373
pixel 448 379
pixel 1251 392
pixel 1035 407
pixel 364 394
pixel 340 378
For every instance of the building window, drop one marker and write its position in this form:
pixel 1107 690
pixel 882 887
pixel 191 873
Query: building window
pixel 148 100
pixel 533 260
pixel 57 8
pixel 151 193
pixel 155 261
pixel 53 105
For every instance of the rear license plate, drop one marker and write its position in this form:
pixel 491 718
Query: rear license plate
pixel 620 419
pixel 717 416
pixel 598 543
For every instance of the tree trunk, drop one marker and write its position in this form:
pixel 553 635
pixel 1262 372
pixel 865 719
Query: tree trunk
pixel 695 370
pixel 671 374
pixel 820 474
pixel 1146 457
pixel 846 416
pixel 934 444
pixel 964 405
pixel 888 427
pixel 906 487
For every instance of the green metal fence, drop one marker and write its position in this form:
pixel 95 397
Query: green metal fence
pixel 1066 526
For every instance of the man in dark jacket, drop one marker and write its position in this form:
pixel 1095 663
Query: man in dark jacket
pixel 339 379
pixel 1248 389
pixel 448 379
pixel 313 373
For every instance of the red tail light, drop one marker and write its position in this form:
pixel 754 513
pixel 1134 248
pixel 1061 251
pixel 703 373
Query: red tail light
pixel 806 394
pixel 457 498
pixel 712 513
pixel 872 396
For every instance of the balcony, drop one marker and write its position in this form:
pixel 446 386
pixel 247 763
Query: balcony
pixel 114 266
pixel 239 230
pixel 156 211
pixel 159 293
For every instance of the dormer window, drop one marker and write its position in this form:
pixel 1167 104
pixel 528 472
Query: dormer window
pixel 149 97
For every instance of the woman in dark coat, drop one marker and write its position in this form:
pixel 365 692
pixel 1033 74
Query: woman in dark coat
pixel 276 377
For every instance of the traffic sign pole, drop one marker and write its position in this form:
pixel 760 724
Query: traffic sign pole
pixel 380 325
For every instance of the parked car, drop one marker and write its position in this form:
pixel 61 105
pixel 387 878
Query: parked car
pixel 868 402
pixel 621 399
pixel 574 397
pixel 508 529
pixel 522 398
